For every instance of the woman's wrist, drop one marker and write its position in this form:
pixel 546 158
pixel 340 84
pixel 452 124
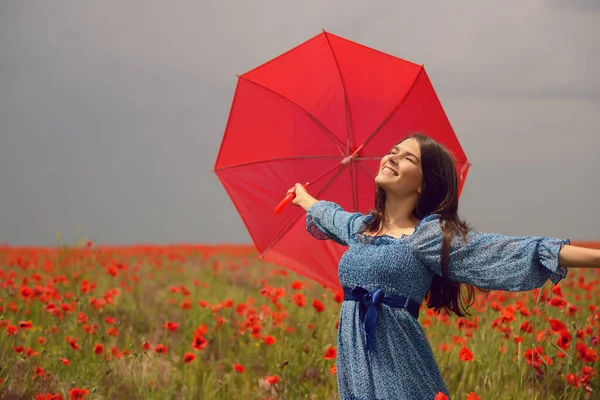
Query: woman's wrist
pixel 305 203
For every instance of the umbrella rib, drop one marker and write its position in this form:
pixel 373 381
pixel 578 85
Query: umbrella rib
pixel 394 110
pixel 284 231
pixel 365 171
pixel 326 131
pixel 334 157
pixel 353 189
pixel 346 105
pixel 368 158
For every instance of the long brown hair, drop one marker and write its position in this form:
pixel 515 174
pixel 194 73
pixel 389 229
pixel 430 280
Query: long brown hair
pixel 439 196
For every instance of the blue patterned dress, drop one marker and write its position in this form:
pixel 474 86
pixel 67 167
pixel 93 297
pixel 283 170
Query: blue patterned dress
pixel 402 365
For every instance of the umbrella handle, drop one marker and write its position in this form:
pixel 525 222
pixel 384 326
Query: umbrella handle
pixel 287 200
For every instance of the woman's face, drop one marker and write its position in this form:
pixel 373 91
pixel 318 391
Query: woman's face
pixel 400 171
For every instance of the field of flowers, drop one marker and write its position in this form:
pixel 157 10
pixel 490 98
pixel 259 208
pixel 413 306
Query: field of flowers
pixel 192 322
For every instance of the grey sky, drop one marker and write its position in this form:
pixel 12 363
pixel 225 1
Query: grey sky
pixel 112 113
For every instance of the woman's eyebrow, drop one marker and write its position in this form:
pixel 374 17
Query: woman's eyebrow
pixel 405 151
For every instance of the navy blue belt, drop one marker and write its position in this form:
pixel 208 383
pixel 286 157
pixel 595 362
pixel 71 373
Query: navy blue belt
pixel 369 303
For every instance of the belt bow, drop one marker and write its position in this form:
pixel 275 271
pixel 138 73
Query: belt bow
pixel 369 303
pixel 368 309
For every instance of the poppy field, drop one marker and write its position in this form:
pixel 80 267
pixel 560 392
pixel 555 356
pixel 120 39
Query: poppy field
pixel 194 322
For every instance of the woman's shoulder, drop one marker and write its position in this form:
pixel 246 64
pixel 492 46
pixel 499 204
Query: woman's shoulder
pixel 428 228
pixel 428 221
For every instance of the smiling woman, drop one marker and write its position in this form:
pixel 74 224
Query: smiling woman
pixel 417 248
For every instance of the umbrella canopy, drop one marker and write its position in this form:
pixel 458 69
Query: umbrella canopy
pixel 324 112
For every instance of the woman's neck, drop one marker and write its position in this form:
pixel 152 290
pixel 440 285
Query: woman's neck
pixel 399 214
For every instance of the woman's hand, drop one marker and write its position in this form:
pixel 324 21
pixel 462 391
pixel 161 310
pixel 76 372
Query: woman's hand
pixel 302 199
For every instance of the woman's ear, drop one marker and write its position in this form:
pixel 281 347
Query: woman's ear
pixel 420 189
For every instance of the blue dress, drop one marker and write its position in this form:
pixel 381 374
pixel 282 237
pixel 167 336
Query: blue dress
pixel 402 365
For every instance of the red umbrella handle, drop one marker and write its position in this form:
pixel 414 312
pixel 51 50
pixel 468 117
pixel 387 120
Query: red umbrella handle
pixel 288 199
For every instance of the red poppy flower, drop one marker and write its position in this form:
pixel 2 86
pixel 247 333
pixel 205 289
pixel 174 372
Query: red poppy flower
pixel 526 327
pixel 112 331
pixel 201 330
pixel 572 379
pixel 557 291
pixel 465 354
pixel 586 354
pixel 524 311
pixel 172 326
pixel 297 285
pixel 82 318
pixel 73 343
pixel 26 292
pixel 330 354
pixel 25 325
pixel 161 349
pixel 319 307
pixel 299 299
pixel 186 304
pixel 189 357
pixel 39 371
pixel 239 368
pixel 557 325
pixel 228 303
pixel 31 353
pixel 78 394
pixel 269 340
pixel 203 303
pixel 558 302
pixel 98 348
pixel 49 396
pixel 564 340
pixel 458 340
pixel 272 380
pixel 198 343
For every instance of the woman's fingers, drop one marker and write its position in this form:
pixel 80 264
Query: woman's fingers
pixel 300 188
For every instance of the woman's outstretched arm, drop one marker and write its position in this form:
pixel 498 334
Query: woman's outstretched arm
pixel 578 257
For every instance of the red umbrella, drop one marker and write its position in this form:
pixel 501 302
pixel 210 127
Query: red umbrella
pixel 325 113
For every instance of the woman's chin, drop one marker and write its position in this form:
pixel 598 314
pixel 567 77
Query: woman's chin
pixel 382 181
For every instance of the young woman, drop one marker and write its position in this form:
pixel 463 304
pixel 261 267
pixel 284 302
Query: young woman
pixel 412 245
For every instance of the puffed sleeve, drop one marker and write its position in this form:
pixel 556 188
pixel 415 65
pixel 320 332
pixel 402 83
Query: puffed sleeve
pixel 491 260
pixel 327 220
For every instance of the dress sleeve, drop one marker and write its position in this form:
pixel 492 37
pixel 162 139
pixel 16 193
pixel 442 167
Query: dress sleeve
pixel 327 220
pixel 491 260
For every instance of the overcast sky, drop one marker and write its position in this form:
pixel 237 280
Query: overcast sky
pixel 112 113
